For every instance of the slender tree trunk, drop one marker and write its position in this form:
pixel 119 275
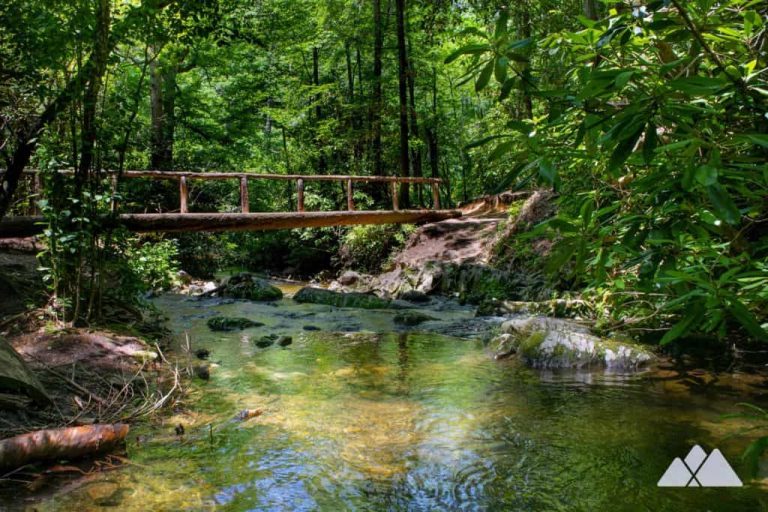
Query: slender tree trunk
pixel 590 9
pixel 316 80
pixel 359 60
pixel 526 30
pixel 91 97
pixel 350 74
pixel 432 133
pixel 416 155
pixel 376 107
pixel 402 65
pixel 162 93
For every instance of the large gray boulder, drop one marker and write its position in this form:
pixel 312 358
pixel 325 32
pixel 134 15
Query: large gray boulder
pixel 544 342
pixel 247 286
pixel 16 377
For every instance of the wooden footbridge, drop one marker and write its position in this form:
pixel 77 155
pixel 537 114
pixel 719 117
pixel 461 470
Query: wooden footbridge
pixel 245 220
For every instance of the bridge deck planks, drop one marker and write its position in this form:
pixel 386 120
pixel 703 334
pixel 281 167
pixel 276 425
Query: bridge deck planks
pixel 13 227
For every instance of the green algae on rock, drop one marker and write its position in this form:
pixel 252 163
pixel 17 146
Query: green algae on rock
pixel 544 342
pixel 226 323
pixel 411 318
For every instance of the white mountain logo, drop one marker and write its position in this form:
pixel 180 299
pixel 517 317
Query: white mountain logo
pixel 700 470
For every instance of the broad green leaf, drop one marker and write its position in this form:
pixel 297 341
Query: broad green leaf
pixel 624 149
pixel 470 49
pixel 724 206
pixel 485 76
pixel 500 69
pixel 685 325
pixel 483 141
pixel 747 320
pixel 623 78
pixel 501 150
pixel 757 139
pixel 706 175
pixel 547 171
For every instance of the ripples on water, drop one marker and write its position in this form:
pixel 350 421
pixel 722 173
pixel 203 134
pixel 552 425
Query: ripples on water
pixel 410 421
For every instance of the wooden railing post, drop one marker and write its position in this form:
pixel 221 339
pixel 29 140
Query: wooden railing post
pixel 300 192
pixel 395 199
pixel 435 196
pixel 113 202
pixel 350 197
pixel 183 194
pixel 244 206
pixel 36 193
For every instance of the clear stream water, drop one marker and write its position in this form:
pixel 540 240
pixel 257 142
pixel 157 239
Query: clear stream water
pixel 361 415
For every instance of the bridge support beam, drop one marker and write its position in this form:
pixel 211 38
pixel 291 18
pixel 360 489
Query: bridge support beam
pixel 13 227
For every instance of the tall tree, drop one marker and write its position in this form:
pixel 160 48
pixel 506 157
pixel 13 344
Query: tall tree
pixel 402 82
pixel 376 103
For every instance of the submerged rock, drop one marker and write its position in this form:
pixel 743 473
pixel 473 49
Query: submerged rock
pixel 202 372
pixel 284 341
pixel 247 286
pixel 313 295
pixel 558 308
pixel 411 318
pixel 544 342
pixel 414 296
pixel 266 341
pixel 228 323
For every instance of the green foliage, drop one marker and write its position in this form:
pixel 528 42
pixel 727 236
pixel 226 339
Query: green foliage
pixel 654 135
pixel 759 447
pixel 367 248
pixel 154 262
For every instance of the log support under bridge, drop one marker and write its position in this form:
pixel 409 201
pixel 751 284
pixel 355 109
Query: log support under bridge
pixel 13 227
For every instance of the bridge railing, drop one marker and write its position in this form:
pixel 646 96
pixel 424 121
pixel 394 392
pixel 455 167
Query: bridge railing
pixel 183 178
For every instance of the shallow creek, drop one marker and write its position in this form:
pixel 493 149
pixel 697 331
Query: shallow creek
pixel 362 415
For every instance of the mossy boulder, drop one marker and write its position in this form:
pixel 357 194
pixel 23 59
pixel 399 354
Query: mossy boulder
pixel 411 318
pixel 544 342
pixel 414 296
pixel 228 323
pixel 313 295
pixel 247 286
pixel 270 339
pixel 16 377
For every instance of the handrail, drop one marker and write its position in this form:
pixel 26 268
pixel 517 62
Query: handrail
pixel 243 177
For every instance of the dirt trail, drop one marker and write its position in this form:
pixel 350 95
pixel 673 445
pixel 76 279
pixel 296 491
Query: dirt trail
pixel 458 241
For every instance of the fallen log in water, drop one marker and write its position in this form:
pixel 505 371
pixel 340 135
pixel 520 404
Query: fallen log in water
pixel 61 443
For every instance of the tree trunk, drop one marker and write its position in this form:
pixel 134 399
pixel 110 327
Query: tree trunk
pixel 590 9
pixel 402 65
pixel 378 50
pixel 432 139
pixel 526 30
pixel 350 74
pixel 90 98
pixel 416 155
pixel 162 110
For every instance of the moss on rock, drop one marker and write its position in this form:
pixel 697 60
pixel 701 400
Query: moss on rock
pixel 226 323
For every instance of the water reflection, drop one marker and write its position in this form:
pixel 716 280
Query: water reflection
pixel 408 421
